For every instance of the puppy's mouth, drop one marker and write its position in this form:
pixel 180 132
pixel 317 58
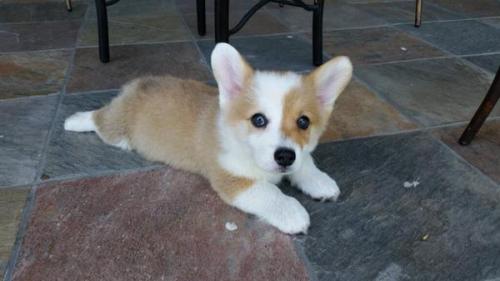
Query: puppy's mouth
pixel 283 170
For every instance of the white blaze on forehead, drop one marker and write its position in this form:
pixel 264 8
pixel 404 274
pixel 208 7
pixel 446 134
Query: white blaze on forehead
pixel 270 89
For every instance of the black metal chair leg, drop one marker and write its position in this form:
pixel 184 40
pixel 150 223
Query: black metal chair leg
pixel 102 26
pixel 201 17
pixel 418 13
pixel 221 21
pixel 69 6
pixel 318 33
pixel 482 112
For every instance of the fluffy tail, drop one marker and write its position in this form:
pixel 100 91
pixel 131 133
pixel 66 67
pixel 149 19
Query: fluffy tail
pixel 80 122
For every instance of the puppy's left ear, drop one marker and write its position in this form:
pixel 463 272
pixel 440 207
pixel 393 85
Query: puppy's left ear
pixel 330 80
pixel 230 70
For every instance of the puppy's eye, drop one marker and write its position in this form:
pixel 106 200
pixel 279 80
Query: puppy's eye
pixel 303 122
pixel 259 120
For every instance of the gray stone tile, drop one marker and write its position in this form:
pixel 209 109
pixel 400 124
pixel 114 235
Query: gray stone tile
pixel 180 59
pixel 495 22
pixel 373 115
pixel 189 7
pixel 71 153
pixel 335 15
pixel 32 73
pixel 38 36
pixel 281 52
pixel 157 22
pixel 399 12
pixel 474 8
pixel 137 8
pixel 375 45
pixel 432 92
pixel 459 37
pixel 484 149
pixel 33 11
pixel 371 1
pixel 382 230
pixel 260 23
pixel 488 62
pixel 24 124
pixel 12 201
pixel 137 30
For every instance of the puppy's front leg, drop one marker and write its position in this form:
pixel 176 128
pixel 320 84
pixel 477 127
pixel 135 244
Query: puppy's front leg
pixel 313 182
pixel 268 202
pixel 262 199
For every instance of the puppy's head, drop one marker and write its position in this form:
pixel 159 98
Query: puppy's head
pixel 276 116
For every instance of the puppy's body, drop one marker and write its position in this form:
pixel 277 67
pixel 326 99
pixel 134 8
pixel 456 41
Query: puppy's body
pixel 186 124
pixel 162 121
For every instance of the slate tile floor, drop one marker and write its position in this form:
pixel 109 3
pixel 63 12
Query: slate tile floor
pixel 72 208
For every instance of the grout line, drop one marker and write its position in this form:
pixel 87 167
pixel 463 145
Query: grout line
pixel 137 43
pixel 93 92
pixel 155 165
pixel 298 33
pixel 40 22
pixel 104 173
pixel 449 54
pixel 452 55
pixel 208 81
pixel 69 71
pixel 15 186
pixel 239 36
pixel 303 35
pixel 21 98
pixel 31 199
pixel 193 38
pixel 22 228
pixel 298 245
pixel 159 165
pixel 435 58
pixel 411 131
pixel 357 2
pixel 35 51
pixel 389 101
pixel 465 161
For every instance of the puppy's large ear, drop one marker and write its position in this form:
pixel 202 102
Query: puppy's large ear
pixel 330 80
pixel 230 71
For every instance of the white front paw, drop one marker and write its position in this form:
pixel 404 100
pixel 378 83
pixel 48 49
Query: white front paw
pixel 289 216
pixel 268 202
pixel 321 187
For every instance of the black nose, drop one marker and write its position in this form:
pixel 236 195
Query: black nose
pixel 284 157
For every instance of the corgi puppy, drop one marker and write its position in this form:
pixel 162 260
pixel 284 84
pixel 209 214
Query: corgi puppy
pixel 260 127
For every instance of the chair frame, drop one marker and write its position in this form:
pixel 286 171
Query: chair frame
pixel 489 102
pixel 222 30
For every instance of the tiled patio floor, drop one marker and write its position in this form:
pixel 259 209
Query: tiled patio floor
pixel 72 208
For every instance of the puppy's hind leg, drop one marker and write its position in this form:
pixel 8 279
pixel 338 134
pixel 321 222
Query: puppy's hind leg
pixel 80 122
pixel 107 122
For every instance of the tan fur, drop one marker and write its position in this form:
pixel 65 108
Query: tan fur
pixel 172 121
pixel 300 102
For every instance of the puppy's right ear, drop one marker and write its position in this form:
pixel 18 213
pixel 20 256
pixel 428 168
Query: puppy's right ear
pixel 230 70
